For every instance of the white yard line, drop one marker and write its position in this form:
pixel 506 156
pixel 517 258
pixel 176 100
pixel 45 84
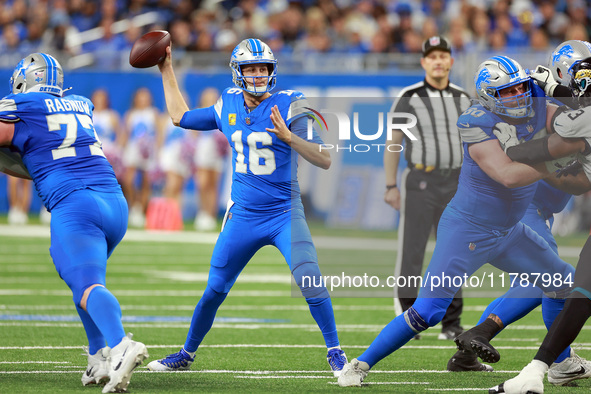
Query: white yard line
pixel 480 389
pixel 190 307
pixel 262 374
pixel 323 242
pixel 280 346
pixel 34 362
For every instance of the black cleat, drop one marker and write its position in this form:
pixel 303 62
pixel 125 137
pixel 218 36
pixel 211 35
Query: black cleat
pixel 500 389
pixel 478 344
pixel 464 361
pixel 497 389
pixel 485 350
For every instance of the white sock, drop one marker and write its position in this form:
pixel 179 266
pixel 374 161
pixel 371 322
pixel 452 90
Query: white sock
pixel 192 354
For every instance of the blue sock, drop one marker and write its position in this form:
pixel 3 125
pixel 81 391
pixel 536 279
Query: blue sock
pixel 391 338
pixel 96 340
pixel 551 307
pixel 203 317
pixel 104 309
pixel 321 310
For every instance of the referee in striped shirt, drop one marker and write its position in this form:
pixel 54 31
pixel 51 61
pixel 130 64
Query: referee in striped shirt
pixel 431 179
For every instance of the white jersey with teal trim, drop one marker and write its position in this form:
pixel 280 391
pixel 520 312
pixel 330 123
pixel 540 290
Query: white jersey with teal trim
pixel 575 124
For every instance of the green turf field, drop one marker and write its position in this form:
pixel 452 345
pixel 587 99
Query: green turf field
pixel 263 341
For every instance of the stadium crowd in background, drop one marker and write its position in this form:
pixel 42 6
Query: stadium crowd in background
pixel 305 26
pixel 291 28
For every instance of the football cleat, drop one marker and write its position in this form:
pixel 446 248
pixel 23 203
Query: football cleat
pixel 529 381
pixel 353 373
pixel 124 358
pixel 571 368
pixel 450 333
pixel 179 361
pixel 98 367
pixel 464 361
pixel 478 344
pixel 336 359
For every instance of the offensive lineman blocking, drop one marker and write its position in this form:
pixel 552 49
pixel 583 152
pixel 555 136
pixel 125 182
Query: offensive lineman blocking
pixel 60 148
pixel 473 232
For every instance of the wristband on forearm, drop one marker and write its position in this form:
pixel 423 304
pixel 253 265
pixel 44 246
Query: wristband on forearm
pixel 531 152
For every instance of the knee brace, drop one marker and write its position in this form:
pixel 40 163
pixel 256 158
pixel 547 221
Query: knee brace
pixel 310 281
pixel 414 320
pixel 82 277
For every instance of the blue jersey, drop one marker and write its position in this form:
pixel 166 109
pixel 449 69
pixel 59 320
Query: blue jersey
pixel 498 207
pixel 58 144
pixel 549 200
pixel 264 167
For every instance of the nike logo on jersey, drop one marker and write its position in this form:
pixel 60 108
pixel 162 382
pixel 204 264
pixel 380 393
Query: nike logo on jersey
pixel 121 361
pixel 89 371
pixel 465 124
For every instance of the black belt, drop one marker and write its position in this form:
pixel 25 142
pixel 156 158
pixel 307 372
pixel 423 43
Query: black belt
pixel 437 171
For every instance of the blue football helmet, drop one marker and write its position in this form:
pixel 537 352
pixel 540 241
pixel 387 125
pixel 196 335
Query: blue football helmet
pixel 498 73
pixel 253 51
pixel 38 72
pixel 565 56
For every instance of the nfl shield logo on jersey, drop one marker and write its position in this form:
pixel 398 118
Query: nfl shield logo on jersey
pixel 530 128
pixel 472 246
pixel 247 120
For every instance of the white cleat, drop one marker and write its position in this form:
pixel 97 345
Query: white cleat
pixel 353 373
pixel 124 358
pixel 180 361
pixel 571 368
pixel 529 381
pixel 98 367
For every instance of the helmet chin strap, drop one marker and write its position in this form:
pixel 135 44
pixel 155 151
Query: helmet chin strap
pixel 252 89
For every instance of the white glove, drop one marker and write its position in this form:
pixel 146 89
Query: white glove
pixel 543 76
pixel 507 135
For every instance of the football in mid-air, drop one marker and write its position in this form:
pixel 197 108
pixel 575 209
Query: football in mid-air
pixel 12 164
pixel 149 49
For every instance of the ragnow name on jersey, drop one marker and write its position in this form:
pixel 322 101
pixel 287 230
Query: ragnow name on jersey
pixel 58 143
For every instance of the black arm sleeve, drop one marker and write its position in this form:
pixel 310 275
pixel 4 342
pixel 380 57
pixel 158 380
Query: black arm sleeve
pixel 531 152
pixel 564 95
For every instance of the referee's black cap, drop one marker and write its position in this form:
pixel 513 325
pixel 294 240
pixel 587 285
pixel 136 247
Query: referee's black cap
pixel 436 42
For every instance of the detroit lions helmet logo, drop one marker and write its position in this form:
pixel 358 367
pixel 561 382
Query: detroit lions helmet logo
pixel 566 51
pixel 483 77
